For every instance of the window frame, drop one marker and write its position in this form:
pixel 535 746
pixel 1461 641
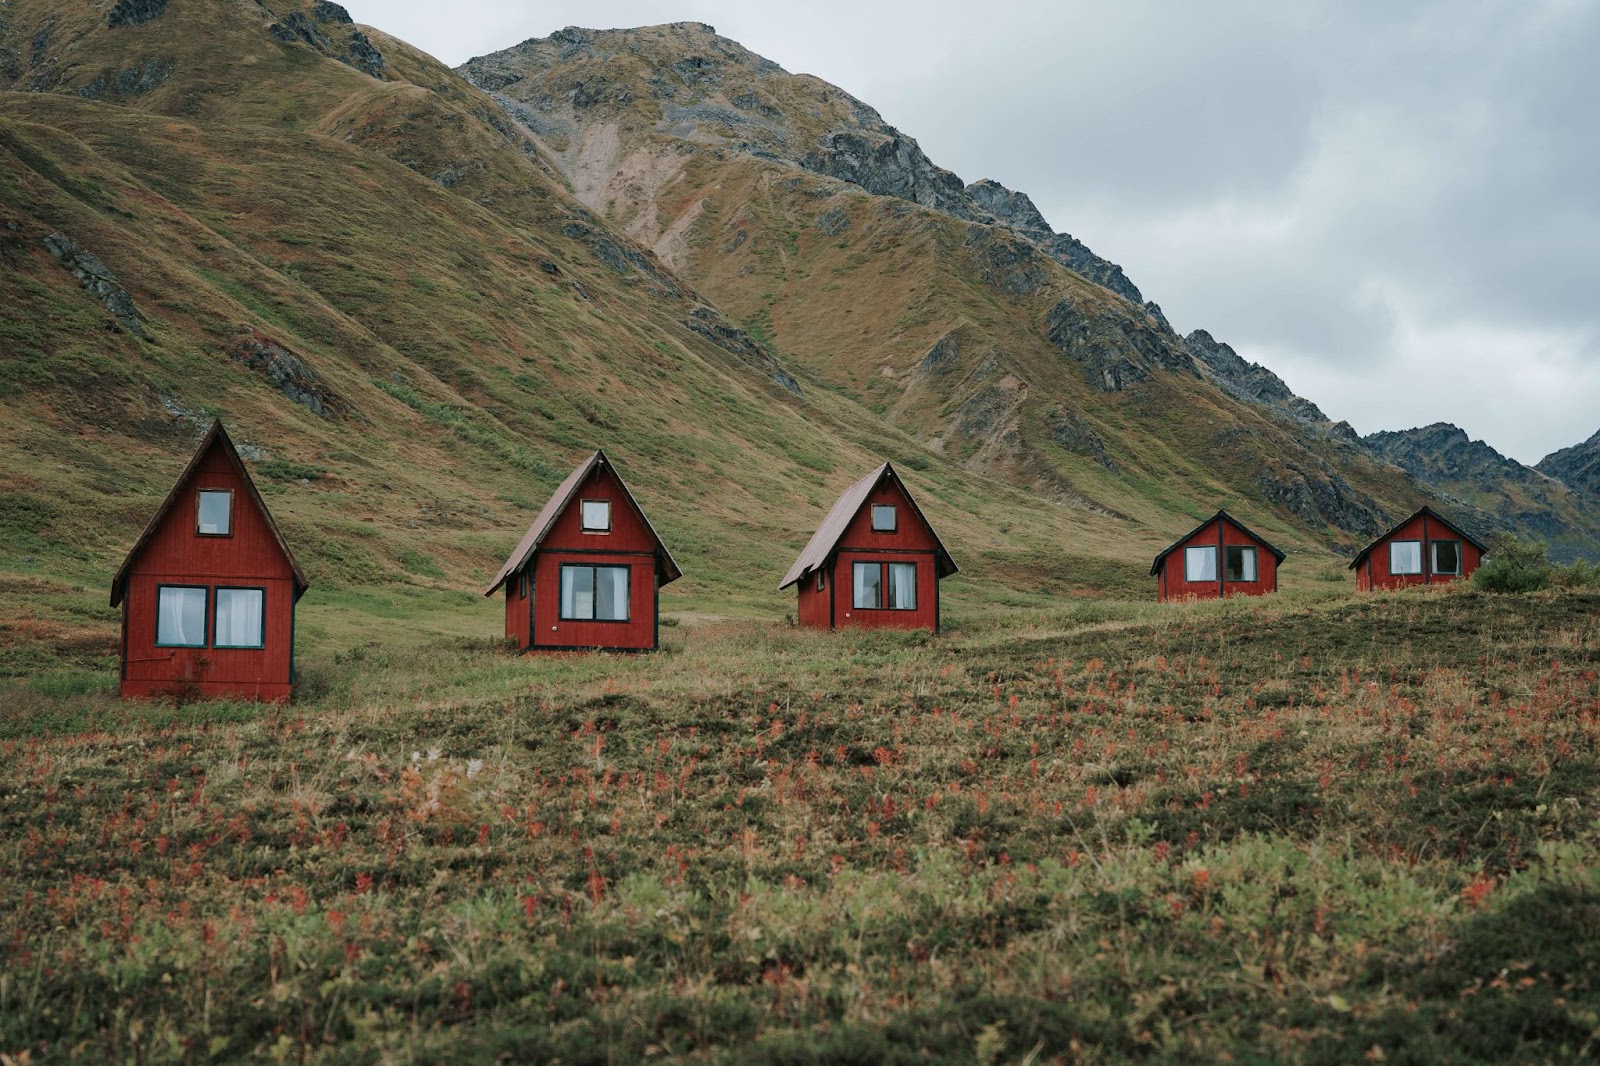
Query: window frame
pixel 199 494
pixel 1422 560
pixel 561 580
pixel 583 517
pixel 216 613
pixel 522 585
pixel 894 518
pixel 205 624
pixel 1215 563
pixel 822 579
pixel 883 584
pixel 1433 558
pixel 1255 563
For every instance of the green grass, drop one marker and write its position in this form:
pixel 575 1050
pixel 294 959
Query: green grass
pixel 1104 831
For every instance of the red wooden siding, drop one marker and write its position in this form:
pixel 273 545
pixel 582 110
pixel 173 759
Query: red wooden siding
pixel 1372 572
pixel 629 542
pixel 1173 584
pixel 175 554
pixel 912 541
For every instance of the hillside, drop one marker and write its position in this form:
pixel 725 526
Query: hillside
pixel 1577 466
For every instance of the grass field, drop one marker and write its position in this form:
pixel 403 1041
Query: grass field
pixel 1311 829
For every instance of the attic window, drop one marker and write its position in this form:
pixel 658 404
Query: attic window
pixel 883 518
pixel 1240 564
pixel 1405 557
pixel 214 513
pixel 597 516
pixel 1199 564
pixel 1447 557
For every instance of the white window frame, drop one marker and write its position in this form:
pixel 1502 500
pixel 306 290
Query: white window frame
pixel 567 606
pixel 1393 571
pixel 205 615
pixel 893 512
pixel 1208 551
pixel 583 516
pixel 199 509
pixel 856 587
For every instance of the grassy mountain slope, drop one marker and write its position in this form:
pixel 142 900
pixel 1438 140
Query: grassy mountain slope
pixel 794 206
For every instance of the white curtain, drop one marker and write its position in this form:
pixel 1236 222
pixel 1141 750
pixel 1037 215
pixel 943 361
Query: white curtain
pixel 577 592
pixel 1199 564
pixel 181 617
pixel 868 586
pixel 1405 557
pixel 612 593
pixel 239 618
pixel 903 586
pixel 1247 564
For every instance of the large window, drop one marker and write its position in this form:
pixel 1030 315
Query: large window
pixel 214 513
pixel 883 518
pixel 594 593
pixel 1405 557
pixel 1447 557
pixel 241 618
pixel 884 586
pixel 1239 563
pixel 1199 564
pixel 180 616
pixel 597 516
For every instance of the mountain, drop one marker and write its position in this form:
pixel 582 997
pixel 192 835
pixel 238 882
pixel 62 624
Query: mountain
pixel 1551 502
pixel 1577 466
pixel 953 309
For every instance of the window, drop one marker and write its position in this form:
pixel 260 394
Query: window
pixel 1447 557
pixel 883 518
pixel 884 586
pixel 597 516
pixel 1199 564
pixel 180 616
pixel 594 593
pixel 214 513
pixel 241 617
pixel 522 585
pixel 1239 564
pixel 868 586
pixel 1405 557
pixel 902 586
pixel 822 581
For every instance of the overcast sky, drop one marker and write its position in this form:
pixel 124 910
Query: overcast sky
pixel 1396 207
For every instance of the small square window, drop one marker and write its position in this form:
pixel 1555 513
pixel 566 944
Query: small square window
pixel 241 614
pixel 1240 564
pixel 1447 557
pixel 883 518
pixel 597 516
pixel 215 513
pixel 1199 564
pixel 180 617
pixel 1405 557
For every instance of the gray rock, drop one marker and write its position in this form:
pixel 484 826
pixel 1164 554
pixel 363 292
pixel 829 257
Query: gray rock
pixel 832 222
pixel 624 259
pixel 1251 381
pixel 1069 431
pixel 290 374
pixel 1115 350
pixel 1017 211
pixel 1319 496
pixel 297 26
pixel 1578 467
pixel 132 81
pixel 97 280
pixel 1007 261
pixel 134 12
pixel 362 54
pixel 714 328
pixel 324 11
pixel 889 164
pixel 943 356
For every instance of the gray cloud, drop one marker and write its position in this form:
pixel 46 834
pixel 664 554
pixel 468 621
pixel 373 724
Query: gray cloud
pixel 1397 207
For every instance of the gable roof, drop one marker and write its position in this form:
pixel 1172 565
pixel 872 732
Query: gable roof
pixel 845 508
pixel 557 504
pixel 215 436
pixel 1361 557
pixel 1155 567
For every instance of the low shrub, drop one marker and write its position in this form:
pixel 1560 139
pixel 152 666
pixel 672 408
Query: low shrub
pixel 1514 565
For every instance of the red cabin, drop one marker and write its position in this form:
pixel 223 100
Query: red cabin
pixel 589 570
pixel 1423 550
pixel 208 592
pixel 1218 558
pixel 874 562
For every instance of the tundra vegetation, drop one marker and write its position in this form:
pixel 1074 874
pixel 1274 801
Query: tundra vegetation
pixel 1310 828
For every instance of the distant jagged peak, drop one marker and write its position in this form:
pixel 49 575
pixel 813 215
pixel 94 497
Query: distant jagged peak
pixel 1252 381
pixel 1578 466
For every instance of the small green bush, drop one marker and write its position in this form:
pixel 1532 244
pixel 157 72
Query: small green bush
pixel 1514 565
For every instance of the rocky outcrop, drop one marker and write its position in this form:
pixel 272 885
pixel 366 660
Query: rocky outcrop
pixel 1444 454
pixel 888 163
pixel 714 328
pixel 324 11
pixel 1074 435
pixel 355 49
pixel 98 281
pixel 1578 467
pixel 623 258
pixel 290 374
pixel 1250 381
pixel 1319 496
pixel 1006 261
pixel 1017 211
pixel 1114 349
pixel 129 82
pixel 134 12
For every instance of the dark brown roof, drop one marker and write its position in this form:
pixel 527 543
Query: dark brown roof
pixel 1155 567
pixel 1431 513
pixel 215 436
pixel 826 538
pixel 553 509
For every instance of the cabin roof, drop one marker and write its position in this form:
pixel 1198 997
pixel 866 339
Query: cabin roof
pixel 838 519
pixel 1361 557
pixel 216 435
pixel 1155 567
pixel 557 504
